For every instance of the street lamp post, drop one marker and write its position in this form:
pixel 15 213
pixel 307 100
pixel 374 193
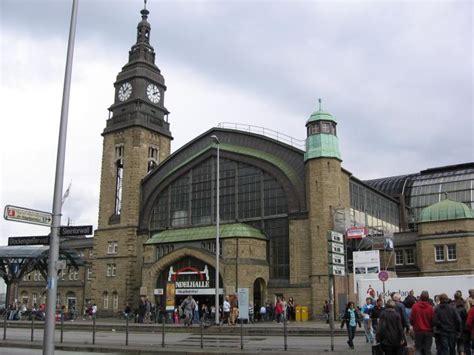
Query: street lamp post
pixel 216 140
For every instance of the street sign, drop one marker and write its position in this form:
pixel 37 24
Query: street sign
pixel 337 270
pixel 337 248
pixel 70 231
pixel 37 240
pixel 383 276
pixel 26 215
pixel 335 237
pixel 336 259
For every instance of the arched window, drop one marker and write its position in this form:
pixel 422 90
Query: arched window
pixel 115 301
pixel 248 194
pixel 105 300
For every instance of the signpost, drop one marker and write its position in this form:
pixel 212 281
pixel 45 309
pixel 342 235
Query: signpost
pixel 336 266
pixel 27 215
pixel 37 240
pixel 71 231
pixel 383 276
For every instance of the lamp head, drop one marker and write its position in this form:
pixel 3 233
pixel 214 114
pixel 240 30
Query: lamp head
pixel 215 139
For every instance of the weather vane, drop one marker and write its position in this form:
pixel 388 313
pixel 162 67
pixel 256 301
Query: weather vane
pixel 319 100
pixel 145 4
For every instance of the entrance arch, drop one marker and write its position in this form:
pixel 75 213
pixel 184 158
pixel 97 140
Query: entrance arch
pixel 259 293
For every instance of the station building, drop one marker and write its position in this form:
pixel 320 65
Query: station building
pixel 278 199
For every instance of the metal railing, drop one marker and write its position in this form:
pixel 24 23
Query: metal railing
pixel 270 133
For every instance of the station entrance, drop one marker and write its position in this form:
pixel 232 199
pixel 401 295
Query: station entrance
pixel 187 276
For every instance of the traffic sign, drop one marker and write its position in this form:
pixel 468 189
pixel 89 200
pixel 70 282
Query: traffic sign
pixel 336 259
pixel 337 270
pixel 383 276
pixel 26 215
pixel 70 231
pixel 337 248
pixel 335 237
pixel 36 240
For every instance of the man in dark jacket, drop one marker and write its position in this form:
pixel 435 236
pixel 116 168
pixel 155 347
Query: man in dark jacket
pixel 400 308
pixel 421 319
pixel 447 325
pixel 390 330
pixel 376 312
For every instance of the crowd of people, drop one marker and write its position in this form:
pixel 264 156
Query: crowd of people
pixel 390 325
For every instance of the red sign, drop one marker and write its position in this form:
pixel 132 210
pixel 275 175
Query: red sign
pixel 356 233
pixel 383 276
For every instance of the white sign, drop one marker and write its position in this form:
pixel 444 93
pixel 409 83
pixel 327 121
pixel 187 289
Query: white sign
pixel 337 248
pixel 243 297
pixel 198 291
pixel 366 265
pixel 335 237
pixel 26 215
pixel 337 270
pixel 158 291
pixel 337 259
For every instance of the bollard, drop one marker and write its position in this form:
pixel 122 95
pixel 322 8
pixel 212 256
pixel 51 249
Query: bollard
pixel 241 334
pixel 163 334
pixel 62 328
pixel 5 323
pixel 93 329
pixel 126 329
pixel 32 327
pixel 202 334
pixel 285 334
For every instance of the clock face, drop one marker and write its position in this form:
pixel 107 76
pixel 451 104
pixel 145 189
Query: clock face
pixel 153 93
pixel 125 91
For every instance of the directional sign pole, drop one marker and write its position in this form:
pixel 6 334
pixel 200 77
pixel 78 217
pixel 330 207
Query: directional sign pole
pixel 48 338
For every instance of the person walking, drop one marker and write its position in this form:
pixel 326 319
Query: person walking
pixel 291 309
pixel 390 331
pixel 400 308
pixel 188 306
pixel 408 302
pixel 463 342
pixel 366 312
pixel 278 310
pixel 447 325
pixel 226 310
pixel 470 323
pixel 350 319
pixel 375 314
pixel 421 318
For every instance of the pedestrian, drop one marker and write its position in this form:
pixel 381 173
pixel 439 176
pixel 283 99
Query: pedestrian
pixel 350 319
pixel 400 308
pixel 278 310
pixel 147 311
pixel 127 310
pixel 226 310
pixel 408 302
pixel 141 310
pixel 421 319
pixel 326 311
pixel 188 306
pixel 263 313
pixel 291 309
pixel 375 315
pixel 463 342
pixel 447 325
pixel 390 331
pixel 94 311
pixel 234 309
pixel 469 299
pixel 251 313
pixel 366 313
pixel 470 323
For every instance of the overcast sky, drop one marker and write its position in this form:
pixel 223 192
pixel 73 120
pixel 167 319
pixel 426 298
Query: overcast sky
pixel 398 77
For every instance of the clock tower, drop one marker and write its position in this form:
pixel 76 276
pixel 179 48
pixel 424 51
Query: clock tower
pixel 136 138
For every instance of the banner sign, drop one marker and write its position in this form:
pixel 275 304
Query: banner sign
pixel 170 295
pixel 356 233
pixel 243 299
pixel 366 265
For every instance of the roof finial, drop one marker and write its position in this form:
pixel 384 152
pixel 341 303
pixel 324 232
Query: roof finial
pixel 145 4
pixel 320 100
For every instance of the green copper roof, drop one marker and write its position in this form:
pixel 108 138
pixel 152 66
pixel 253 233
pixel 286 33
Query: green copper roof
pixel 322 145
pixel 321 116
pixel 445 210
pixel 240 230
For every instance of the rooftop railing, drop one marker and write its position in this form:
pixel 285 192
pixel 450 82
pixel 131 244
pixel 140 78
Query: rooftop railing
pixel 270 133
